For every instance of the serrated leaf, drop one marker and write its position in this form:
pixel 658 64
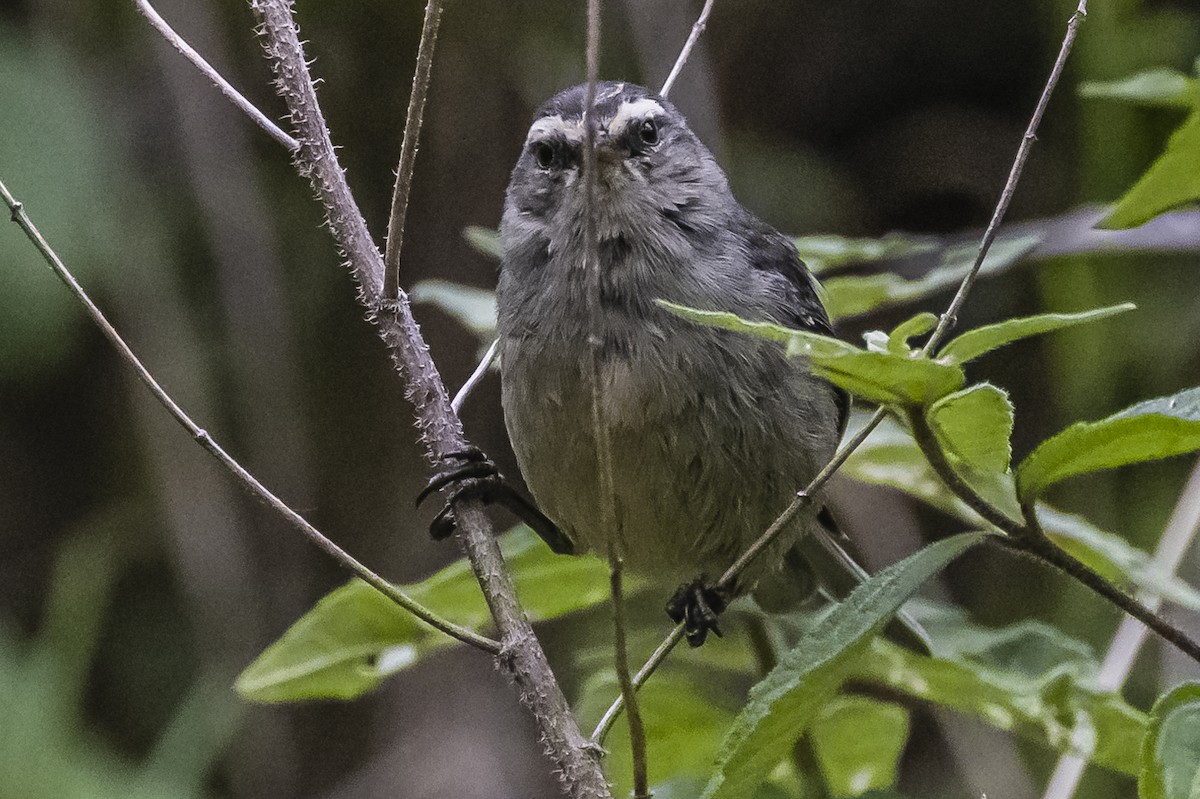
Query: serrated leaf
pixel 355 637
pixel 975 426
pixel 890 457
pixel 883 378
pixel 1171 749
pixel 1158 428
pixel 1171 182
pixel 823 252
pixel 484 240
pixel 786 700
pixel 1160 86
pixel 1027 678
pixel 860 294
pixel 973 343
pixel 857 743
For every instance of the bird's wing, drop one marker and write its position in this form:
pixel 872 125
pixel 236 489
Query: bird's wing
pixel 799 306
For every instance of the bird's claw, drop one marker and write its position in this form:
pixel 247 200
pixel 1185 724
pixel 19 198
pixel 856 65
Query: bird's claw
pixel 478 478
pixel 697 605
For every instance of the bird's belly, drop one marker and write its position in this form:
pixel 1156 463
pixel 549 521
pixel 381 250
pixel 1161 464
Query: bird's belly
pixel 698 470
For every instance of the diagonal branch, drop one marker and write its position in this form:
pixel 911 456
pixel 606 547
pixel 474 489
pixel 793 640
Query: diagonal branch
pixel 235 97
pixel 1027 537
pixel 408 148
pixel 202 437
pixel 686 52
pixel 440 429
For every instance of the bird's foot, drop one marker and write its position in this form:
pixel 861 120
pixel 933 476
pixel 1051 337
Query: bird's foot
pixel 697 605
pixel 476 477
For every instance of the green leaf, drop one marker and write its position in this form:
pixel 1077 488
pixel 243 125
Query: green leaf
pixel 1160 87
pixel 475 308
pixel 883 378
pixel 484 240
pixel 919 325
pixel 973 343
pixel 858 742
pixel 355 637
pixel 975 427
pixel 1172 181
pixel 783 704
pixel 1150 430
pixel 890 457
pixel 860 294
pixel 1171 749
pixel 1028 678
pixel 823 252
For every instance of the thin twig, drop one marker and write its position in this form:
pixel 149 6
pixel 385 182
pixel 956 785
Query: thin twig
pixel 644 673
pixel 637 731
pixel 1176 540
pixel 686 52
pixel 949 318
pixel 248 480
pixel 408 148
pixel 440 429
pixel 600 430
pixel 179 43
pixel 475 377
pixel 804 497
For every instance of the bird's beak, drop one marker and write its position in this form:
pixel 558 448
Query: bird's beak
pixel 607 151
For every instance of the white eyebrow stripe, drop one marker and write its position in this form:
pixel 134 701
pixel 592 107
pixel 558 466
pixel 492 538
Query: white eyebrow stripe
pixel 555 125
pixel 636 109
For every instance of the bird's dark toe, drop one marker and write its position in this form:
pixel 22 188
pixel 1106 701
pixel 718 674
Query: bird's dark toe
pixel 698 605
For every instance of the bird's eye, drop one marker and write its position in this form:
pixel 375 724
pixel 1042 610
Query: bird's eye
pixel 648 132
pixel 543 153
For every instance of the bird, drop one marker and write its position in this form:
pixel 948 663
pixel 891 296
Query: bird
pixel 710 433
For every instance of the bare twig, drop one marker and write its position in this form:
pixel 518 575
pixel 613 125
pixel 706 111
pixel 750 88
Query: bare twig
pixel 441 430
pixel 686 52
pixel 476 376
pixel 1177 538
pixel 408 148
pixel 205 440
pixel 804 497
pixel 637 732
pixel 949 318
pixel 178 42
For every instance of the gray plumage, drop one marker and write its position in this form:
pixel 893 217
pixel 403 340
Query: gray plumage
pixel 711 432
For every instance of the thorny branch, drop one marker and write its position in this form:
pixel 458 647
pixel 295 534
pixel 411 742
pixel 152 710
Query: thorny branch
pixel 441 430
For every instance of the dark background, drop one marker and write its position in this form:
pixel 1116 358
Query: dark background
pixel 193 232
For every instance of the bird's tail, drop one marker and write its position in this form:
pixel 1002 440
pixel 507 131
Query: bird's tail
pixel 821 563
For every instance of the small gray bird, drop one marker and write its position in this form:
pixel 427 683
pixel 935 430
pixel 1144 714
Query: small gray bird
pixel 711 433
